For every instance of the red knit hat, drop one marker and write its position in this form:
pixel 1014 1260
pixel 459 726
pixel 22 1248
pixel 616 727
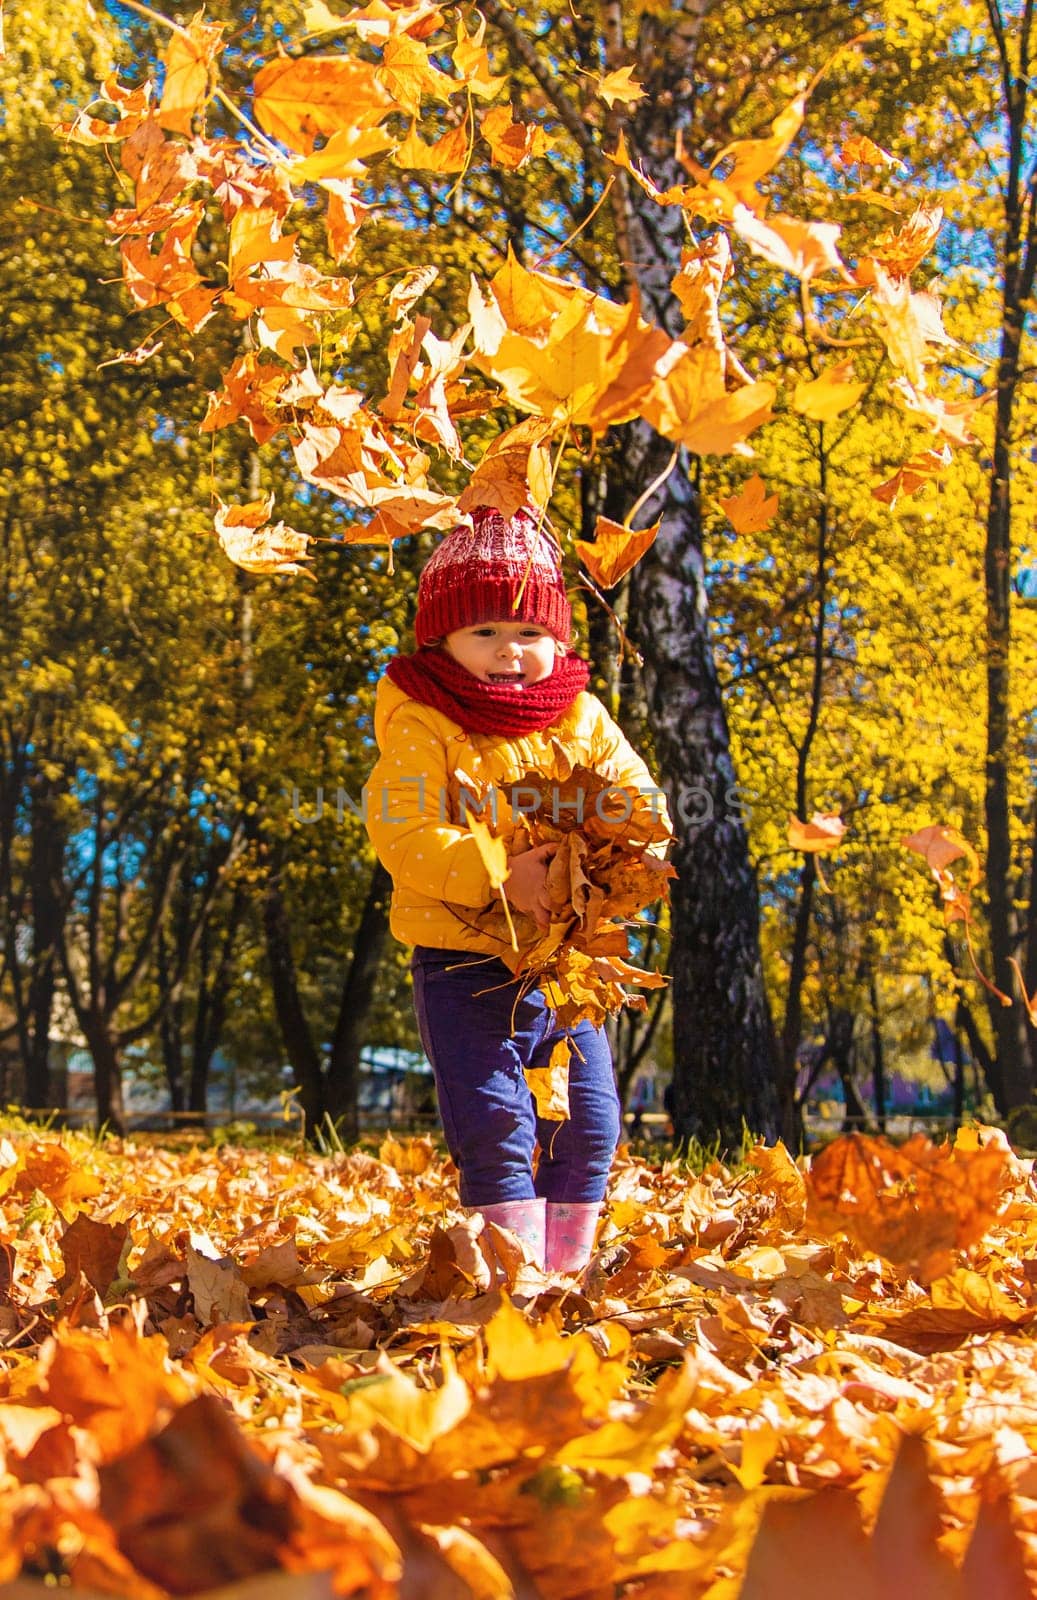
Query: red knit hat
pixel 478 574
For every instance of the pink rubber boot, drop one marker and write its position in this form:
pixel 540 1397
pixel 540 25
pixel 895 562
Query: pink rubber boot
pixel 524 1217
pixel 570 1234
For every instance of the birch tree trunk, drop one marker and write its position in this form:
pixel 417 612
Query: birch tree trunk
pixel 724 1047
pixel 723 1041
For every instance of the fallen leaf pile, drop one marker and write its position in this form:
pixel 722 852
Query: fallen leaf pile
pixel 603 872
pixel 261 1372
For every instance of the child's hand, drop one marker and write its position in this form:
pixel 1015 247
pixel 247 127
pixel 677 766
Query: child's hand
pixel 526 884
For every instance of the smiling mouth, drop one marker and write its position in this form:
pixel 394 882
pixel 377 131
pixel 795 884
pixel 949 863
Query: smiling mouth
pixel 506 677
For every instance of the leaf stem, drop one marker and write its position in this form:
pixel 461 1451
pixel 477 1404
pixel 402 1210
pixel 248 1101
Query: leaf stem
pixel 656 483
pixel 588 219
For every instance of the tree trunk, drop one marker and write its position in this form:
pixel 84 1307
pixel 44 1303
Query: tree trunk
pixel 724 1053
pixel 171 1029
pixel 107 1075
pixel 1019 264
pixel 302 1054
pixel 1029 955
pixel 792 1028
pixel 355 1006
pixel 878 1055
pixel 724 1045
pixel 840 1046
pixel 211 1011
pixel 48 838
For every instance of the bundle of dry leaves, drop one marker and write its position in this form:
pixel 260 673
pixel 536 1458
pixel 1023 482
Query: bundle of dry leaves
pixel 278 1374
pixel 605 869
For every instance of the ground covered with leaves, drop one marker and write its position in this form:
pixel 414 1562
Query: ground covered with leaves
pixel 276 1374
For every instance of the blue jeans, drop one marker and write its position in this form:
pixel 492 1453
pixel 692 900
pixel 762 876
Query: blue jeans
pixel 479 1037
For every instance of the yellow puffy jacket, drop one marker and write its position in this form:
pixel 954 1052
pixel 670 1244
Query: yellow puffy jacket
pixel 413 804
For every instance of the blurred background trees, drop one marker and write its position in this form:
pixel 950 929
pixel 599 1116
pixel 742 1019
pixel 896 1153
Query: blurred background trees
pixel 169 885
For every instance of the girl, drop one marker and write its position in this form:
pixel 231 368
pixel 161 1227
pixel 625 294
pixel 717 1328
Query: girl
pixel 490 695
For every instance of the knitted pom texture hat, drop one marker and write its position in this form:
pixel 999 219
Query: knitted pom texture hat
pixel 478 574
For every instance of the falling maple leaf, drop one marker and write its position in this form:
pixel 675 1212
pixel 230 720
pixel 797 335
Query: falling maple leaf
pixel 898 251
pixel 619 87
pixel 941 846
pixel 615 550
pixel 826 397
pixel 514 471
pixel 823 832
pixel 512 143
pixel 190 63
pixel 913 475
pixel 409 76
pixel 471 58
pixel 549 1085
pixel 298 100
pixel 449 153
pixel 752 159
pixel 751 509
pixel 860 151
pixel 800 248
pixel 252 542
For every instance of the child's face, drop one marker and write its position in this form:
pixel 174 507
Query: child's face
pixel 517 653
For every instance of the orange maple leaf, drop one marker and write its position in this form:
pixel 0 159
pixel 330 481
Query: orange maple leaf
pixel 913 475
pixel 189 59
pixel 914 1205
pixel 615 550
pixel 512 143
pixel 515 470
pixel 751 509
pixel 300 99
pixel 823 832
pixel 860 151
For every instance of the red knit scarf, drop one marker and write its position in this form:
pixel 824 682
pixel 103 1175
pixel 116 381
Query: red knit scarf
pixel 437 680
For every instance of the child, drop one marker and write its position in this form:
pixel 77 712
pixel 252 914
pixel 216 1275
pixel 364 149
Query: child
pixel 490 695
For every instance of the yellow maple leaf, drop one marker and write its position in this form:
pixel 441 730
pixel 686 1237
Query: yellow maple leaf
pixel 472 61
pixel 409 76
pixel 579 358
pixel 448 154
pixel 549 1085
pixel 825 398
pixel 753 158
pixel 751 509
pixel 619 87
pixel 688 403
pixel 342 156
pixel 493 852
